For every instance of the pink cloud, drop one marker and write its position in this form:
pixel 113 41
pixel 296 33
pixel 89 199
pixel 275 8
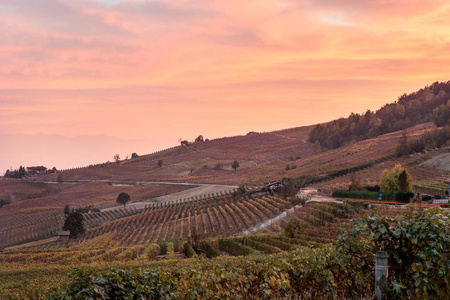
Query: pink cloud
pixel 83 67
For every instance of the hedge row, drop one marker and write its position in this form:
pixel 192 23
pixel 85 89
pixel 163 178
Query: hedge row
pixel 398 196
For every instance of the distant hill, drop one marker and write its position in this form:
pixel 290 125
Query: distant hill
pixel 431 103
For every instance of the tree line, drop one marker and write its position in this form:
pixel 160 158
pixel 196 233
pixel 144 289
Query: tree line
pixel 431 103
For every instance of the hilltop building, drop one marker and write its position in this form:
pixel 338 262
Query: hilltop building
pixel 36 170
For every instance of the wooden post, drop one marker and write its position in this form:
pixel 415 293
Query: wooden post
pixel 381 273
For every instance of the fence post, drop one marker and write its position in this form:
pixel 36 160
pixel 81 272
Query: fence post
pixel 381 273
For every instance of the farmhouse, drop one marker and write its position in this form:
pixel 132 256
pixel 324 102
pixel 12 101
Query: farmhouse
pixel 64 236
pixel 272 185
pixel 36 170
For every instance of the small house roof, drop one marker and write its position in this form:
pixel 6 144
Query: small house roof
pixel 38 168
pixel 63 233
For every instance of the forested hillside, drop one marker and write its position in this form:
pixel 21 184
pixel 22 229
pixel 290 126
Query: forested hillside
pixel 431 103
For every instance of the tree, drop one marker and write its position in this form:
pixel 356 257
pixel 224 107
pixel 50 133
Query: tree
pixel 355 184
pixel 235 165
pixel 160 163
pixel 240 191
pixel 390 180
pixel 441 114
pixel 403 182
pixel 123 198
pixel 134 155
pixel 60 177
pixel 74 223
pixel 7 174
pixel 117 158
pixel 22 172
pixel 66 210
pixel 199 139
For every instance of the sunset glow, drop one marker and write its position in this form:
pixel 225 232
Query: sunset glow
pixel 163 70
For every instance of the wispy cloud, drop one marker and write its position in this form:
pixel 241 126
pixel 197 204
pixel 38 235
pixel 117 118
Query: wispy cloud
pixel 127 67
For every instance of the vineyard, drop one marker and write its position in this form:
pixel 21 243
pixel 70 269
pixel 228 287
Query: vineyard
pixel 204 217
pixel 306 229
pixel 429 180
pixel 314 226
pixel 42 217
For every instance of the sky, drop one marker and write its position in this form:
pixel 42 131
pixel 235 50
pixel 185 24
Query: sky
pixel 144 73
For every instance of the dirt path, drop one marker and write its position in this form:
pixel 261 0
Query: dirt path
pixel 441 161
pixel 275 220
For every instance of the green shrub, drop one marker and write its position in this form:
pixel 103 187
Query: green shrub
pixel 397 196
pixel 151 251
pixel 419 250
pixel 356 194
pixel 170 250
pixel 163 247
pixel 294 227
pixel 356 204
pixel 188 250
pixel 178 245
pixel 209 250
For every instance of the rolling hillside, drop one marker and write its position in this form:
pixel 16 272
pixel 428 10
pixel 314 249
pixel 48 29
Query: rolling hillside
pixel 36 209
pixel 184 197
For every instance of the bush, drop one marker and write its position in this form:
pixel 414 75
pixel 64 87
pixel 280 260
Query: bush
pixel 188 250
pixel 151 251
pixel 294 227
pixel 162 247
pixel 95 283
pixel 373 188
pixel 178 245
pixel 356 194
pixel 170 251
pixel 397 196
pixel 209 250
pixel 418 247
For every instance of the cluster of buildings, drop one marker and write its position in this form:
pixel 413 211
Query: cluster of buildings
pixel 29 171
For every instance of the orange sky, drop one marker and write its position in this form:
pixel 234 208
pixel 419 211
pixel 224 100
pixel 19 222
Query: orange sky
pixel 163 70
